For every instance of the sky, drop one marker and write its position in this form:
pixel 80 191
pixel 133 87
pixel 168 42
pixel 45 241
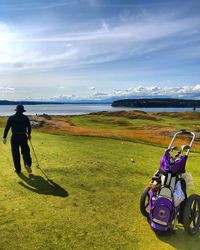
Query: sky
pixel 99 49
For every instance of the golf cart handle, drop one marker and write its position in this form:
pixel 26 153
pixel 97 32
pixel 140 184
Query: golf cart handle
pixel 183 132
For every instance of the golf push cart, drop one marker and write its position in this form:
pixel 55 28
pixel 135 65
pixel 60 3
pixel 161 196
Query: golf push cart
pixel 164 201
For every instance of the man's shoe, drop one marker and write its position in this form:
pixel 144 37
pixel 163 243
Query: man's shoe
pixel 29 170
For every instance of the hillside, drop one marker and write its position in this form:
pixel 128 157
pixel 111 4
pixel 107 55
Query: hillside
pixel 157 103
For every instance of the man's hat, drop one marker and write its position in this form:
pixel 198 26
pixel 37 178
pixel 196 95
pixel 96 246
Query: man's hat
pixel 20 108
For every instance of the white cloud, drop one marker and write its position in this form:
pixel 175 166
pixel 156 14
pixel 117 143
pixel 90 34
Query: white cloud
pixel 151 91
pixel 62 98
pixel 6 90
pixel 188 92
pixel 92 43
pixel 31 5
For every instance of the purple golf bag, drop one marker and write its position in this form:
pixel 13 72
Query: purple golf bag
pixel 164 201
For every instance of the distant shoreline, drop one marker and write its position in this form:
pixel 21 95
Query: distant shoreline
pixel 126 103
pixel 48 103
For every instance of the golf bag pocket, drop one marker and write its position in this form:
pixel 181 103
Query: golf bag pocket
pixel 167 185
pixel 179 195
pixel 161 213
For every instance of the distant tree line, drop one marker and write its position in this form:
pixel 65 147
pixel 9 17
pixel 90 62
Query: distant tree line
pixel 157 103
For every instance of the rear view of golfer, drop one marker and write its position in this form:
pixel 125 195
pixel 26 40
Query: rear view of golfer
pixel 21 132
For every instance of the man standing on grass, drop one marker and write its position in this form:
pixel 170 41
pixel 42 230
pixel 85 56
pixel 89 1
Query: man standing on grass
pixel 21 132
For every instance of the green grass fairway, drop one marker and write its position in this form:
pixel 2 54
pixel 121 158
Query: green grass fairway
pixel 92 201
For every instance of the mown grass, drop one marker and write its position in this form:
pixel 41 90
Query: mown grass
pixel 92 201
pixel 107 122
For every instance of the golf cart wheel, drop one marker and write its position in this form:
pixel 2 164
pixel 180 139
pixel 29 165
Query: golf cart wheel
pixel 144 202
pixel 191 214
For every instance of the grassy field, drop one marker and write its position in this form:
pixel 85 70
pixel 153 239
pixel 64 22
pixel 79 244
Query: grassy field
pixel 92 200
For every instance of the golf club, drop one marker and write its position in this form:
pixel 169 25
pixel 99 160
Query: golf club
pixel 37 162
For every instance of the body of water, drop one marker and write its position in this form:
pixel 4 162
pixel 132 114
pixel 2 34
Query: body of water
pixel 78 109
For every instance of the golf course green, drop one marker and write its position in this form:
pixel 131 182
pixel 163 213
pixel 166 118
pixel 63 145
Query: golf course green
pixel 92 198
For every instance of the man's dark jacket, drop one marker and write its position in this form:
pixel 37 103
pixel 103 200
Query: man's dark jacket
pixel 19 123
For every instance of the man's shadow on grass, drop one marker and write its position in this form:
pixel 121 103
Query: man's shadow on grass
pixel 38 184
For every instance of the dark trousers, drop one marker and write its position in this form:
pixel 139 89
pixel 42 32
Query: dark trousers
pixel 20 141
